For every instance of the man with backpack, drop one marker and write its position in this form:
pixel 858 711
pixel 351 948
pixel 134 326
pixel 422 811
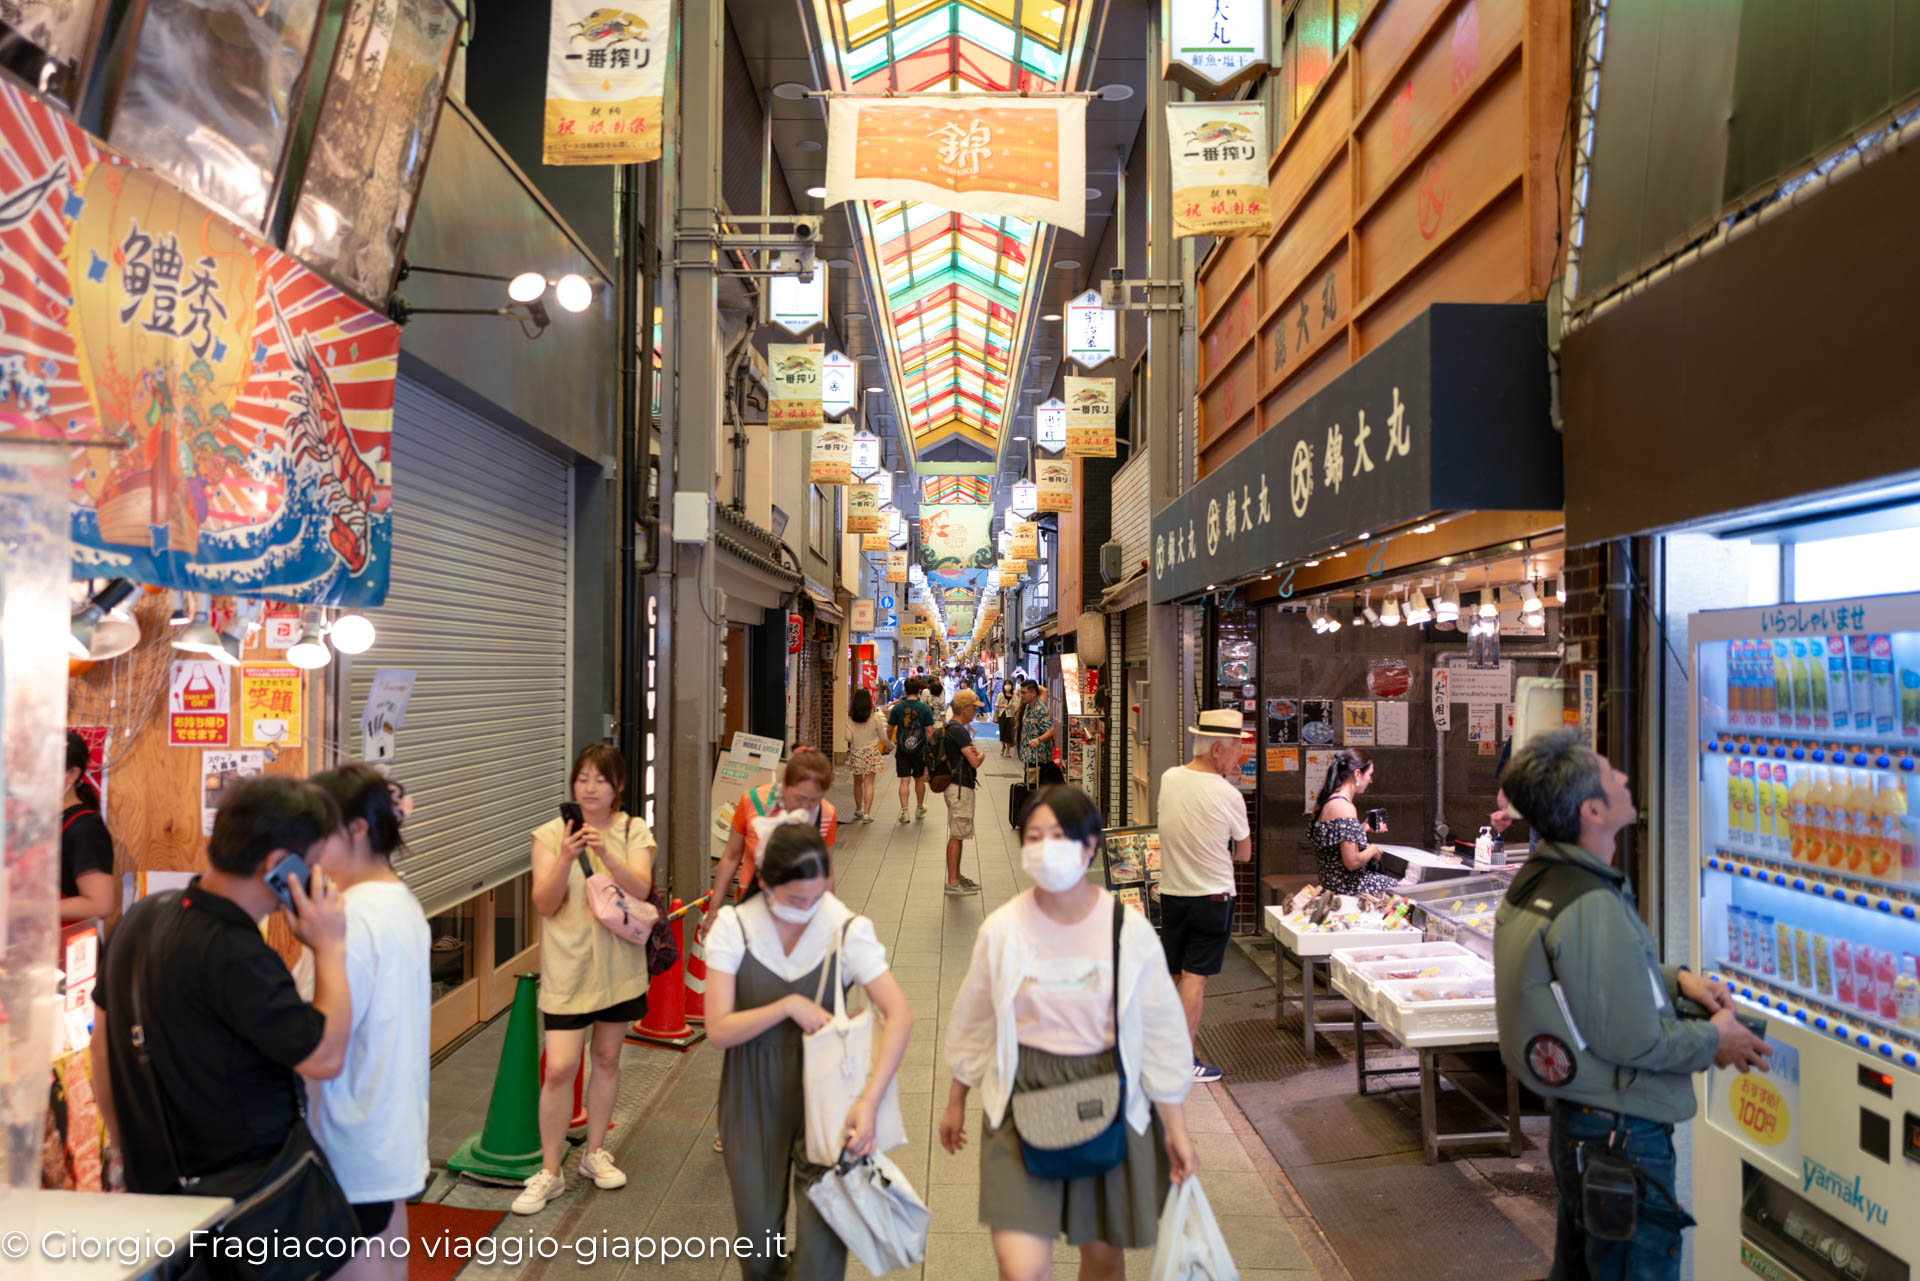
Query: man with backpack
pixel 956 770
pixel 910 725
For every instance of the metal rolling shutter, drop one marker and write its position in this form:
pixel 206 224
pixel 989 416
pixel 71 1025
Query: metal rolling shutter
pixel 480 608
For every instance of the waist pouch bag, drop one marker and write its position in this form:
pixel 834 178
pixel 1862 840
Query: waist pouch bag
pixel 1078 1129
pixel 626 919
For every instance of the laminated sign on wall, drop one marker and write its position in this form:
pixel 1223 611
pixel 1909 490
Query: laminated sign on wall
pixel 1218 152
pixel 1090 418
pixel 794 370
pixel 605 73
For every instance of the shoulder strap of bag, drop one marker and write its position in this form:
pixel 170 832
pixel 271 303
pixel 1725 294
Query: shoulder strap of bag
pixel 1119 923
pixel 839 989
pixel 165 909
pixel 75 817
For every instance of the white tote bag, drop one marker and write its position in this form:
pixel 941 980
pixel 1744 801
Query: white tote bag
pixel 836 1060
pixel 1190 1247
pixel 874 1210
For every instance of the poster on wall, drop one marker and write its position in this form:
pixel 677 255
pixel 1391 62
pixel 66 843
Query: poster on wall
pixel 1283 721
pixel 199 704
pixel 860 615
pixel 220 771
pixel 1317 724
pixel 1390 727
pixel 1090 418
pixel 1318 764
pixel 270 705
pixel 1218 152
pixel 1357 724
pixel 1283 760
pixel 1483 726
pixel 606 73
pixel 1389 678
pixel 1053 486
pixel 794 401
pixel 250 403
pixel 831 460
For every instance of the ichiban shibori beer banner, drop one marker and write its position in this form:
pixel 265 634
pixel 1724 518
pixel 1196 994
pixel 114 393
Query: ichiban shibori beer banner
pixel 832 459
pixel 1024 157
pixel 1218 151
pixel 250 401
pixel 1090 418
pixel 1054 491
pixel 606 69
pixel 863 510
pixel 794 403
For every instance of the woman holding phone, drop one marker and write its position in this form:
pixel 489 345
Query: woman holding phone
pixel 593 983
pixel 1349 860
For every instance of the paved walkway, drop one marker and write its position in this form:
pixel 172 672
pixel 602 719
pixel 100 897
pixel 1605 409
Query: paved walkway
pixel 894 874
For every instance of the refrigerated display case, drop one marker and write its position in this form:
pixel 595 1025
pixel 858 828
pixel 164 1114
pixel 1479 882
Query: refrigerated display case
pixel 1805 722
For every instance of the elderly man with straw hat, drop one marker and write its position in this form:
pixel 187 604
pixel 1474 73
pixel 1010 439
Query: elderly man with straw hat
pixel 1203 833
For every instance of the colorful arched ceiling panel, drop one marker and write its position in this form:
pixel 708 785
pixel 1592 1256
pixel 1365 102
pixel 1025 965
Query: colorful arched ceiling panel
pixel 956 489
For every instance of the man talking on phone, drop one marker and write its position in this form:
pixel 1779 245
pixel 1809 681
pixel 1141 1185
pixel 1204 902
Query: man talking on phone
pixel 221 1021
pixel 1590 1019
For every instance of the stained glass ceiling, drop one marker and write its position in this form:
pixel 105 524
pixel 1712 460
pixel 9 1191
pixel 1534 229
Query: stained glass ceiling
pixel 957 285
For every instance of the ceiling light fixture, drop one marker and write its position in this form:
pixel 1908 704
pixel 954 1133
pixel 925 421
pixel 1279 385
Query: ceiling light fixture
pixel 1418 612
pixel 1427 528
pixel 1447 608
pixel 1530 602
pixel 1367 611
pixel 85 622
pixel 1560 587
pixel 1311 564
pixel 1115 92
pixel 1051 316
pixel 807 144
pixel 198 636
pixel 309 652
pixel 1066 264
pixel 876 391
pixel 573 292
pixel 1093 193
pixel 1390 612
pixel 791 90
pixel 1488 609
pixel 526 286
pixel 352 633
pixel 818 193
pixel 246 616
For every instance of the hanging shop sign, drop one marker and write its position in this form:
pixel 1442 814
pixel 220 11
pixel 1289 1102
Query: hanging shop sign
pixel 866 458
pixel 270 705
pixel 1050 424
pixel 605 75
pixel 1012 568
pixel 896 529
pixel 1090 418
pixel 1090 331
pixel 1023 499
pixel 1025 542
pixel 860 615
pixel 254 400
pixel 1054 486
pixel 1218 152
pixel 794 369
pixel 960 620
pixel 873 542
pixel 1020 157
pixel 799 305
pixel 836 387
pixel 916 631
pixel 896 567
pixel 199 704
pixel 1212 48
pixel 1390 440
pixel 796 633
pixel 955 536
pixel 863 509
pixel 831 462
pixel 882 480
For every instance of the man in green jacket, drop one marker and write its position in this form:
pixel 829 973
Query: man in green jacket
pixel 1588 1015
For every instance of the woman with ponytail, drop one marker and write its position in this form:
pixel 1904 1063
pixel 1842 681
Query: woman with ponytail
pixel 371 1120
pixel 86 847
pixel 1349 861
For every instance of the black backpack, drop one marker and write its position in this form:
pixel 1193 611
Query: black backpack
pixel 942 768
pixel 913 736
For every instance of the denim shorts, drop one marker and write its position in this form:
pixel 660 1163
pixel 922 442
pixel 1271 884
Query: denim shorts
pixel 1654 1252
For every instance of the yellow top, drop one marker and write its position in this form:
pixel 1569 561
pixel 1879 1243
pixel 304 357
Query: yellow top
pixel 584 966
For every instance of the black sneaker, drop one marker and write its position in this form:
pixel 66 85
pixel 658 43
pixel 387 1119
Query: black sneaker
pixel 1205 1072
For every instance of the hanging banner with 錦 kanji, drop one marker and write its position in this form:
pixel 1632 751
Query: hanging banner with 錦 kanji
pixel 606 69
pixel 832 458
pixel 237 409
pixel 955 536
pixel 794 371
pixel 863 509
pixel 1090 418
pixel 1053 490
pixel 1020 157
pixel 1219 168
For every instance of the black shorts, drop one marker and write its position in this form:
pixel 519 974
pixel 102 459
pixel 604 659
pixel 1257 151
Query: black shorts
pixel 373 1217
pixel 909 764
pixel 1194 930
pixel 624 1012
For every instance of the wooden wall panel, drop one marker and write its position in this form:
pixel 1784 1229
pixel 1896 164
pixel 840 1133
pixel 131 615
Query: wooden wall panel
pixel 1222 276
pixel 1231 326
pixel 1317 223
pixel 1311 318
pixel 1313 375
pixel 1229 396
pixel 1482 265
pixel 1388 34
pixel 1222 449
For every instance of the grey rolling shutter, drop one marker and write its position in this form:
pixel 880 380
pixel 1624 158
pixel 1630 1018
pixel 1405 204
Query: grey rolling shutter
pixel 479 607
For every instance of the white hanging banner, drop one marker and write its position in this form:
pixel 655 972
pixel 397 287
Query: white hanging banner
pixel 832 445
pixel 836 389
pixel 1020 157
pixel 1055 492
pixel 1219 168
pixel 1090 432
pixel 1090 331
pixel 606 70
pixel 793 404
pixel 1214 47
pixel 1024 496
pixel 1050 424
pixel 883 482
pixel 798 305
pixel 862 509
pixel 866 451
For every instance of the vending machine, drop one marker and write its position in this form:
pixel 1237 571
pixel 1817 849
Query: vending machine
pixel 1806 723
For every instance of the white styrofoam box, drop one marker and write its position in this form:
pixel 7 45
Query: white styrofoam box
pixel 1325 942
pixel 1344 962
pixel 1416 1023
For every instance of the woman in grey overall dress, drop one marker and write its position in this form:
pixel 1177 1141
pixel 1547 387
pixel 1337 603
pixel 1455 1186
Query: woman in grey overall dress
pixel 765 958
pixel 1036 1010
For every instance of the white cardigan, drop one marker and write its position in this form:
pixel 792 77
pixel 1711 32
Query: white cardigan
pixel 983 1047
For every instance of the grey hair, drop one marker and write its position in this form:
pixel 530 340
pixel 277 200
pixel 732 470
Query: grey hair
pixel 1550 778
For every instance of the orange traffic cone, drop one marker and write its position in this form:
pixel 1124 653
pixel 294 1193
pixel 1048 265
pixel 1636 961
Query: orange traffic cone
pixel 666 1020
pixel 696 985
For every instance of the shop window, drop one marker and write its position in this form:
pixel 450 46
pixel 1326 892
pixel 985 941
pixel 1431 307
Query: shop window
pixel 1874 564
pixel 453 938
pixel 513 919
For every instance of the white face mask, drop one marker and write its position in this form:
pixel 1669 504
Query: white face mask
pixel 794 915
pixel 1055 865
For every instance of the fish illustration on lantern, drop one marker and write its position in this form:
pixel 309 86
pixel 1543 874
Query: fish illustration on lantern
pixel 1214 132
pixel 317 434
pixel 619 24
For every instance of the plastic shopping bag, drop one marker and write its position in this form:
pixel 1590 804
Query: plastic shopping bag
pixel 1190 1247
pixel 872 1208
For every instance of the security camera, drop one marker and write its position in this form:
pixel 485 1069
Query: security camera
pixel 803 231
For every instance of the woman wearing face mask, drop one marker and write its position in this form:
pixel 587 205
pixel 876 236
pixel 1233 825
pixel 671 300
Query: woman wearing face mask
pixel 1036 1010
pixel 371 1120
pixel 764 964
pixel 802 789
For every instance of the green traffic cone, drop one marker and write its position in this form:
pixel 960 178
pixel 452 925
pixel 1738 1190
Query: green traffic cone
pixel 507 1150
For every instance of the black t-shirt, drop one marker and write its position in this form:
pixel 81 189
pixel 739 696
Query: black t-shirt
pixel 224 1027
pixel 958 737
pixel 85 846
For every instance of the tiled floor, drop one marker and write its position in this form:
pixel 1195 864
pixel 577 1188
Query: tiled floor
pixel 894 875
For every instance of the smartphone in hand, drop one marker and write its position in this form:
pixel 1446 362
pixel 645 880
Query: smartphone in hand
pixel 290 868
pixel 570 815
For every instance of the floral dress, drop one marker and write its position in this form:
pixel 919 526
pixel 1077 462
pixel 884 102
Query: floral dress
pixel 1328 835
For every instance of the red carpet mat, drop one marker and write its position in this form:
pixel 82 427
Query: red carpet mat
pixel 438 1233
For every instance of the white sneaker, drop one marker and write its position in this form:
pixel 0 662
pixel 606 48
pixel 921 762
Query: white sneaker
pixel 541 1188
pixel 598 1165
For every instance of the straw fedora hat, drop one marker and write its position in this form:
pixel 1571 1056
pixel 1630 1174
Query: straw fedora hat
pixel 1222 722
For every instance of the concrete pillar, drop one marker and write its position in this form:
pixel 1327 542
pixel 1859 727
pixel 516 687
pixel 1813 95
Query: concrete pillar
pixel 1166 392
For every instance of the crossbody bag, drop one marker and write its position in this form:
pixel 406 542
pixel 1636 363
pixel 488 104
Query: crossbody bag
pixel 1078 1129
